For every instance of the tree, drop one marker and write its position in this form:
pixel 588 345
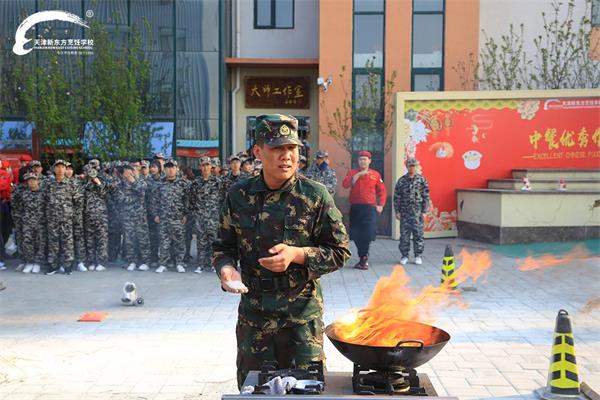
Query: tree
pixel 117 98
pixel 561 58
pixel 369 112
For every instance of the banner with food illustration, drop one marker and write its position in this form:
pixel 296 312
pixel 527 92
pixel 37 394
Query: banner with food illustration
pixel 463 143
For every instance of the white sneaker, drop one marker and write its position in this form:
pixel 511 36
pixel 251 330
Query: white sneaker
pixel 36 269
pixel 27 269
pixel 81 267
pixel 180 268
pixel 131 267
pixel 100 268
pixel 143 267
pixel 418 260
pixel 160 269
pixel 61 270
pixel 2 266
pixel 20 267
pixel 91 267
pixel 404 260
pixel 198 270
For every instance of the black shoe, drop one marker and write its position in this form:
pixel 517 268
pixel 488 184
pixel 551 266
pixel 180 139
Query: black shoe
pixel 51 271
pixel 68 271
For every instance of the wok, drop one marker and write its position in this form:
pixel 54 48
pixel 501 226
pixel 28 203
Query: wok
pixel 408 353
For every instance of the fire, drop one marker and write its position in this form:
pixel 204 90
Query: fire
pixel 548 261
pixel 394 308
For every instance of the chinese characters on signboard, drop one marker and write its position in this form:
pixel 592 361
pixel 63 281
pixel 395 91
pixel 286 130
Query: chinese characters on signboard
pixel 574 142
pixel 277 92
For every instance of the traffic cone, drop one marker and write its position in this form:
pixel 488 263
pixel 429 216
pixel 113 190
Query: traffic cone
pixel 563 381
pixel 448 269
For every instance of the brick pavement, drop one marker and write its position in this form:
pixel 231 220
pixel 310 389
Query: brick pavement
pixel 181 344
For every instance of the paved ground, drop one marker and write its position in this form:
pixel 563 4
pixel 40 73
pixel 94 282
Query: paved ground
pixel 181 345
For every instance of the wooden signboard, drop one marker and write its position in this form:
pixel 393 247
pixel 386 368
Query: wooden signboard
pixel 277 92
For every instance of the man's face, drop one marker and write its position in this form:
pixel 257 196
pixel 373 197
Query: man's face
pixel 153 169
pixel 216 170
pixel 278 163
pixel 412 170
pixel 162 162
pixel 38 169
pixel 364 162
pixel 206 169
pixel 248 168
pixel 33 184
pixel 127 173
pixel 59 171
pixel 235 165
pixel 144 171
pixel 170 172
pixel 136 168
pixel 69 172
pixel 321 160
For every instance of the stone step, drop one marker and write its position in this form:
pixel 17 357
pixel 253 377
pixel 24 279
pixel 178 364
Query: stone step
pixel 544 184
pixel 556 173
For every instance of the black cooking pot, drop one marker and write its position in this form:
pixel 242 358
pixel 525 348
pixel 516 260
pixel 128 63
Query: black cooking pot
pixel 409 353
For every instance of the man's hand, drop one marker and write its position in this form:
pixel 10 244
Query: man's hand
pixel 184 220
pixel 398 216
pixel 358 175
pixel 229 273
pixel 130 178
pixel 283 256
pixel 379 209
pixel 157 219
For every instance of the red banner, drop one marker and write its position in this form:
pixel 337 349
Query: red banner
pixel 463 143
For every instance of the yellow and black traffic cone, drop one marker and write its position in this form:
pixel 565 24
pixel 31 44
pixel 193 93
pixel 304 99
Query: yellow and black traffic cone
pixel 448 268
pixel 563 381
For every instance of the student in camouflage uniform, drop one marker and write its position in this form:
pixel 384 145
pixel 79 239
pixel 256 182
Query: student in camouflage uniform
pixel 60 199
pixel 302 161
pixel 285 232
pixel 78 228
pixel 153 180
pixel 32 224
pixel 411 202
pixel 216 166
pixel 115 217
pixel 235 175
pixel 172 197
pixel 136 242
pixel 95 216
pixel 247 168
pixel 321 172
pixel 206 198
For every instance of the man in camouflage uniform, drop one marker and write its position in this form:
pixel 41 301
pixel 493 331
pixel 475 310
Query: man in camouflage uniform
pixel 321 172
pixel 95 217
pixel 136 242
pixel 154 180
pixel 171 216
pixel 235 175
pixel 247 168
pixel 411 202
pixel 32 218
pixel 115 216
pixel 78 229
pixel 302 165
pixel 60 199
pixel 285 232
pixel 206 198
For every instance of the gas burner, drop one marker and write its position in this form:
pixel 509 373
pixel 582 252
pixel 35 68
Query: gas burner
pixel 270 370
pixel 405 382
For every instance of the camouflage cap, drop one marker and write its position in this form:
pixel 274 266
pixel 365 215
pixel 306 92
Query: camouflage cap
pixel 170 163
pixel 30 175
pixel 159 156
pixel 92 173
pixel 94 163
pixel 411 162
pixel 205 160
pixel 303 158
pixel 69 165
pixel 59 161
pixel 145 163
pixel 277 130
pixel 234 157
pixel 322 154
pixel 106 165
pixel 215 162
pixel 35 163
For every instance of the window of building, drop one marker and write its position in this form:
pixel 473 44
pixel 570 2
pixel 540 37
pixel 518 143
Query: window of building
pixel 595 13
pixel 428 45
pixel 273 14
pixel 368 79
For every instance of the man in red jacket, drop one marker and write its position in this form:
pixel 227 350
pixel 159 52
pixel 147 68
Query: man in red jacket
pixel 367 199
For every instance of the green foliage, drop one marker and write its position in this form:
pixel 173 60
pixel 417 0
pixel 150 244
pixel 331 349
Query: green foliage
pixel 560 61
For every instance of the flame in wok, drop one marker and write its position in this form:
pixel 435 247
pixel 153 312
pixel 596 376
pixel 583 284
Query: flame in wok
pixel 392 303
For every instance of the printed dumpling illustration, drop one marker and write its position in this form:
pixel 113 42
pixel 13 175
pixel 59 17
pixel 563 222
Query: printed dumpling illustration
pixel 472 159
pixel 442 149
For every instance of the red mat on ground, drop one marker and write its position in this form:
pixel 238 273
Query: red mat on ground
pixel 92 317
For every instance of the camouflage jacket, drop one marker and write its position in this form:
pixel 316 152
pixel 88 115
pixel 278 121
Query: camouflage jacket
pixel 95 196
pixel 172 199
pixel 301 213
pixel 326 176
pixel 131 198
pixel 206 197
pixel 411 195
pixel 61 199
pixel 231 180
pixel 16 202
pixel 152 205
pixel 33 208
